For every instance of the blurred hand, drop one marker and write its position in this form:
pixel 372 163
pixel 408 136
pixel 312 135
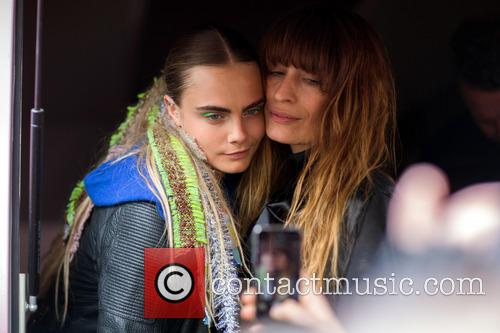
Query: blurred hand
pixel 422 213
pixel 249 305
pixel 312 312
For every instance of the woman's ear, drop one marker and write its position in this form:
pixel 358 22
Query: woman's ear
pixel 172 110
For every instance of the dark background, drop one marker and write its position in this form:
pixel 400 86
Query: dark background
pixel 97 55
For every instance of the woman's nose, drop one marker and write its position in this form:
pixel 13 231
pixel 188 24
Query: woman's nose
pixel 237 132
pixel 285 90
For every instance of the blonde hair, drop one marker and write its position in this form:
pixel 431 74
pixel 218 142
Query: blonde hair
pixel 204 47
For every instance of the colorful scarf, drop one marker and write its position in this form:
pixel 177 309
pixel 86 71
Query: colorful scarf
pixel 188 214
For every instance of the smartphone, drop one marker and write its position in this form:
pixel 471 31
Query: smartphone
pixel 276 264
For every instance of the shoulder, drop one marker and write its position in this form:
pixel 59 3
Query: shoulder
pixel 130 224
pixel 377 197
pixel 370 202
pixel 381 184
pixel 138 211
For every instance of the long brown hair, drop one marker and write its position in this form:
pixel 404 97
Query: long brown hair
pixel 206 46
pixel 357 127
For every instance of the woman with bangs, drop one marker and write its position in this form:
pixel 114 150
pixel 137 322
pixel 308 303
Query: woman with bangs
pixel 330 112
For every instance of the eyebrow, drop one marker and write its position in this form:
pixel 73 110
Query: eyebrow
pixel 254 104
pixel 226 110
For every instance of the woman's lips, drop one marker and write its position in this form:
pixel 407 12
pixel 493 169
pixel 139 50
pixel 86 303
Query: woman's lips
pixel 282 118
pixel 238 154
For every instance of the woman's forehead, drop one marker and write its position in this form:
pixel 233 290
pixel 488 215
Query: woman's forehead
pixel 224 84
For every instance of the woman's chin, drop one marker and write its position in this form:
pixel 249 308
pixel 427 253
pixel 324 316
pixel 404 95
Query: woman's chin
pixel 285 137
pixel 279 135
pixel 232 167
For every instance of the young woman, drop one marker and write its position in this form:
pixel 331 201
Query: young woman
pixel 161 185
pixel 330 104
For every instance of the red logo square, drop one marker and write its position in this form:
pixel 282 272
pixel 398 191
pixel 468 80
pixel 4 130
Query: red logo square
pixel 174 283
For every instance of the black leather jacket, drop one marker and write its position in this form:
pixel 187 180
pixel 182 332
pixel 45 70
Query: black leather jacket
pixel 364 223
pixel 106 277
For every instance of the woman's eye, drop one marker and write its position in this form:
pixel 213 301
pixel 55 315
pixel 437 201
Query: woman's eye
pixel 254 111
pixel 275 73
pixel 312 82
pixel 213 116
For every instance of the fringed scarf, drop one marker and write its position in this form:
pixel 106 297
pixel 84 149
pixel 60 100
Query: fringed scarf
pixel 190 214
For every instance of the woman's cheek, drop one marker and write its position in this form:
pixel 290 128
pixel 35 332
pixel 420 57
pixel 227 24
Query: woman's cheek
pixel 208 142
pixel 257 127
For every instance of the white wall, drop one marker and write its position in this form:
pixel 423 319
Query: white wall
pixel 6 103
